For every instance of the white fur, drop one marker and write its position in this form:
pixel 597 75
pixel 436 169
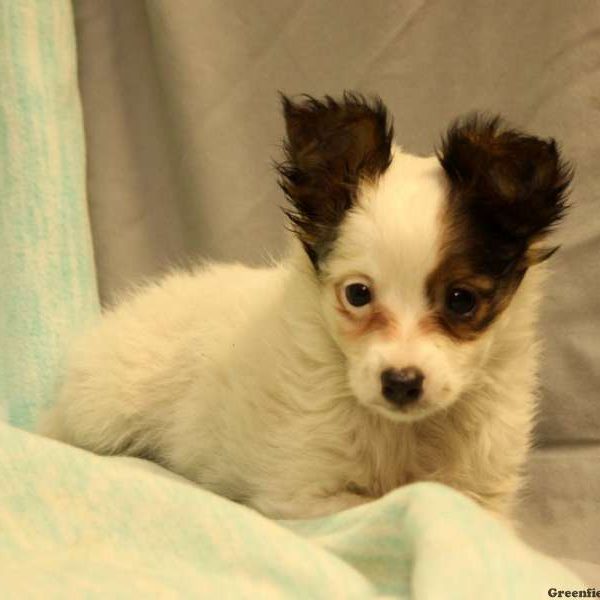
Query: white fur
pixel 244 381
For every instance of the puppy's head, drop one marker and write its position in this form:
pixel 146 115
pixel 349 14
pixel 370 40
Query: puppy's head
pixel 417 258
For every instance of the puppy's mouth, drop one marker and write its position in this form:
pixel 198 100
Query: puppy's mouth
pixel 404 414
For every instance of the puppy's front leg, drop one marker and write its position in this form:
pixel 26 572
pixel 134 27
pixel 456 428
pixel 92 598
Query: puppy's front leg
pixel 305 506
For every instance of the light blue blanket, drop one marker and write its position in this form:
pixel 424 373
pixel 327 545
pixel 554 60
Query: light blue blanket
pixel 74 525
pixel 47 279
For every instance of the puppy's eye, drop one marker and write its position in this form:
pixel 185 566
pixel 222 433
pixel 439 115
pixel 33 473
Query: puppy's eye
pixel 461 302
pixel 358 294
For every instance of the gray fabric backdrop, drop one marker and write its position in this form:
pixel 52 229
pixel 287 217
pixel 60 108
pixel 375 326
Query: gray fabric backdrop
pixel 182 122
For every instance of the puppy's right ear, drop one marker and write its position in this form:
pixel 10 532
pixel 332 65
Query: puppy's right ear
pixel 330 147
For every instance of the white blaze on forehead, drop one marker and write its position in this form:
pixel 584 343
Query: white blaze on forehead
pixel 394 233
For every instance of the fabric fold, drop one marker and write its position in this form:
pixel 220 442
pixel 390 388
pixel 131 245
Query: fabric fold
pixel 47 275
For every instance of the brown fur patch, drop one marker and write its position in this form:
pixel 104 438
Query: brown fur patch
pixel 331 146
pixel 507 191
pixel 493 296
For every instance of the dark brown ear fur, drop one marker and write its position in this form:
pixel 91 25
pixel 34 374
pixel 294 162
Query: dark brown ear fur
pixel 508 186
pixel 331 146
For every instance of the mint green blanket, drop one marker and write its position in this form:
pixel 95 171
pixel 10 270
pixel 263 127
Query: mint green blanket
pixel 74 525
pixel 47 279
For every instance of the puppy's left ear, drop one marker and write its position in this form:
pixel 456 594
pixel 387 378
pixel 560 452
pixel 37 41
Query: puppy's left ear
pixel 330 147
pixel 512 184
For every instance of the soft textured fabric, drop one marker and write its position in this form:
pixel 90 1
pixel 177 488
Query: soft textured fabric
pixel 77 525
pixel 182 122
pixel 47 275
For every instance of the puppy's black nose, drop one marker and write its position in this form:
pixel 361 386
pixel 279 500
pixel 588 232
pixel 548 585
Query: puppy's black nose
pixel 402 386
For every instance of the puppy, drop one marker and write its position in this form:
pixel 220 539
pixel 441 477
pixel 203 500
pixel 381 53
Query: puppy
pixel 395 342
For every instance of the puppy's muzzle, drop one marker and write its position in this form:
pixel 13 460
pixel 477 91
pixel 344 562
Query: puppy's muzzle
pixel 402 386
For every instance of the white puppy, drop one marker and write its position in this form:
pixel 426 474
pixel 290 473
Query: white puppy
pixel 395 343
